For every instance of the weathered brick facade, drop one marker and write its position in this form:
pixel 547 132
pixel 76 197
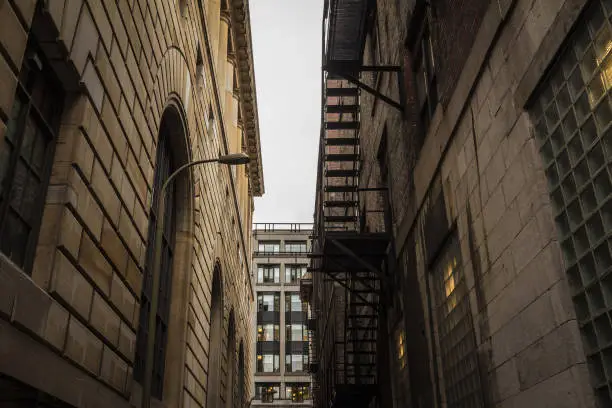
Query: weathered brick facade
pixel 131 71
pixel 473 180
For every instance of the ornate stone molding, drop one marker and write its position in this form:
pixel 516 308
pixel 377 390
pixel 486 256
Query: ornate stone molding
pixel 241 30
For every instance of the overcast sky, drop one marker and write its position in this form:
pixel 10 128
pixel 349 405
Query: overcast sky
pixel 287 52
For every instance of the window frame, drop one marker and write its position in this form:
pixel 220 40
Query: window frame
pixel 35 67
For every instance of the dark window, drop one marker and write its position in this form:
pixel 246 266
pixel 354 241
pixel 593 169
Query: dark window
pixel 424 76
pixel 268 363
pixel 296 246
pixel 269 302
pixel 268 274
pixel 26 155
pixel 293 273
pixel 163 169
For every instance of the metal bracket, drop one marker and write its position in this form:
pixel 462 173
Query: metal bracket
pixel 367 68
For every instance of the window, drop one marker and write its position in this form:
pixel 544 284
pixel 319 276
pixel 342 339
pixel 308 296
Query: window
pixel 455 330
pixel 292 302
pixel 296 332
pixel 268 273
pixel 26 155
pixel 297 392
pixel 572 115
pixel 268 332
pixel 295 363
pixel 424 76
pixel 163 168
pixel 293 273
pixel 268 363
pixel 296 246
pixel 268 302
pixel 266 391
pixel 270 247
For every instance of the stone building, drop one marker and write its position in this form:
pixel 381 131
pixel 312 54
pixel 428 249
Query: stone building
pixel 464 205
pixel 99 101
pixel 280 260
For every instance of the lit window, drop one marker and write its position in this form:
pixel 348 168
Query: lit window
pixel 297 392
pixel 269 302
pixel 268 332
pixel 293 303
pixel 295 363
pixel 293 273
pixel 268 363
pixel 268 273
pixel 401 346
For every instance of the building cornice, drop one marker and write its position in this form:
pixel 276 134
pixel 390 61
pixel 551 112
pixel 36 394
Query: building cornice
pixel 241 30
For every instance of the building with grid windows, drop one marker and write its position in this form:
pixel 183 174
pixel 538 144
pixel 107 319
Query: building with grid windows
pixel 280 260
pixel 100 101
pixel 462 250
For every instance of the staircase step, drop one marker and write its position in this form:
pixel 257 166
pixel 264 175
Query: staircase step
pixel 341 141
pixel 340 189
pixel 341 173
pixel 341 125
pixel 340 218
pixel 341 157
pixel 342 91
pixel 341 204
pixel 342 108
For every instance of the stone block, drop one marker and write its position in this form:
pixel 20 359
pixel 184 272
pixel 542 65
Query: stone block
pixel 95 265
pixel 129 233
pixel 117 24
pixel 507 380
pixel 115 132
pixel 30 303
pixel 101 20
pixel 85 42
pixel 26 9
pixel 527 245
pixel 552 354
pixel 125 82
pixel 127 341
pixel 134 277
pixel 494 209
pixel 134 172
pixel 504 232
pixel 113 247
pixel 72 11
pixel 495 170
pixel 13 37
pixel 100 142
pixel 83 347
pixel 123 300
pixel 104 319
pixel 103 189
pixel 70 233
pixel 114 370
pixel 69 285
pixel 42 269
pixel 93 84
pixel 107 75
pixel 86 206
pixel 56 326
pixel 514 180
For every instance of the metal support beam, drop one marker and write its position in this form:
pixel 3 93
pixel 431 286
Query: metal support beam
pixel 371 90
pixel 344 285
pixel 380 68
pixel 356 257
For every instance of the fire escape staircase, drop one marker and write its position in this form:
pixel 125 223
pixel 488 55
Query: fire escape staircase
pixel 346 253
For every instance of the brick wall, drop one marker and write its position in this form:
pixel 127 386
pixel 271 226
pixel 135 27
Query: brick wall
pixel 124 62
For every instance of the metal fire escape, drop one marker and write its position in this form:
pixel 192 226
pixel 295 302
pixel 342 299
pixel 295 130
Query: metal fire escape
pixel 345 254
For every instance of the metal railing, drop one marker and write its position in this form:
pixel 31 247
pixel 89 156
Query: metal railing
pixel 283 227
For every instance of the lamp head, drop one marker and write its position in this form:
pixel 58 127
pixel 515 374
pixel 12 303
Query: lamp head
pixel 234 159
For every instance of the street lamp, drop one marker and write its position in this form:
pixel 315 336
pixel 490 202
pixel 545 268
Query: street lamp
pixel 232 159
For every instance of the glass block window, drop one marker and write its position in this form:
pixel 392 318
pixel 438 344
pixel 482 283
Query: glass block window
pixel 456 331
pixel 26 156
pixel 572 112
pixel 164 167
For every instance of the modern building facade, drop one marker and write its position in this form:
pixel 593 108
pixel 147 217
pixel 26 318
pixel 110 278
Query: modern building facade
pixel 462 253
pixel 99 102
pixel 280 259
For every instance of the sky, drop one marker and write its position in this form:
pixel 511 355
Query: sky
pixel 287 52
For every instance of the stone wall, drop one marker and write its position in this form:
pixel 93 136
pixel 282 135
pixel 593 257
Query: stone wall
pixel 70 329
pixel 480 153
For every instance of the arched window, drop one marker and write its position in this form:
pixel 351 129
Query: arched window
pixel 163 168
pixel 213 396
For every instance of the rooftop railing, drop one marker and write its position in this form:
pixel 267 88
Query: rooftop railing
pixel 283 227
